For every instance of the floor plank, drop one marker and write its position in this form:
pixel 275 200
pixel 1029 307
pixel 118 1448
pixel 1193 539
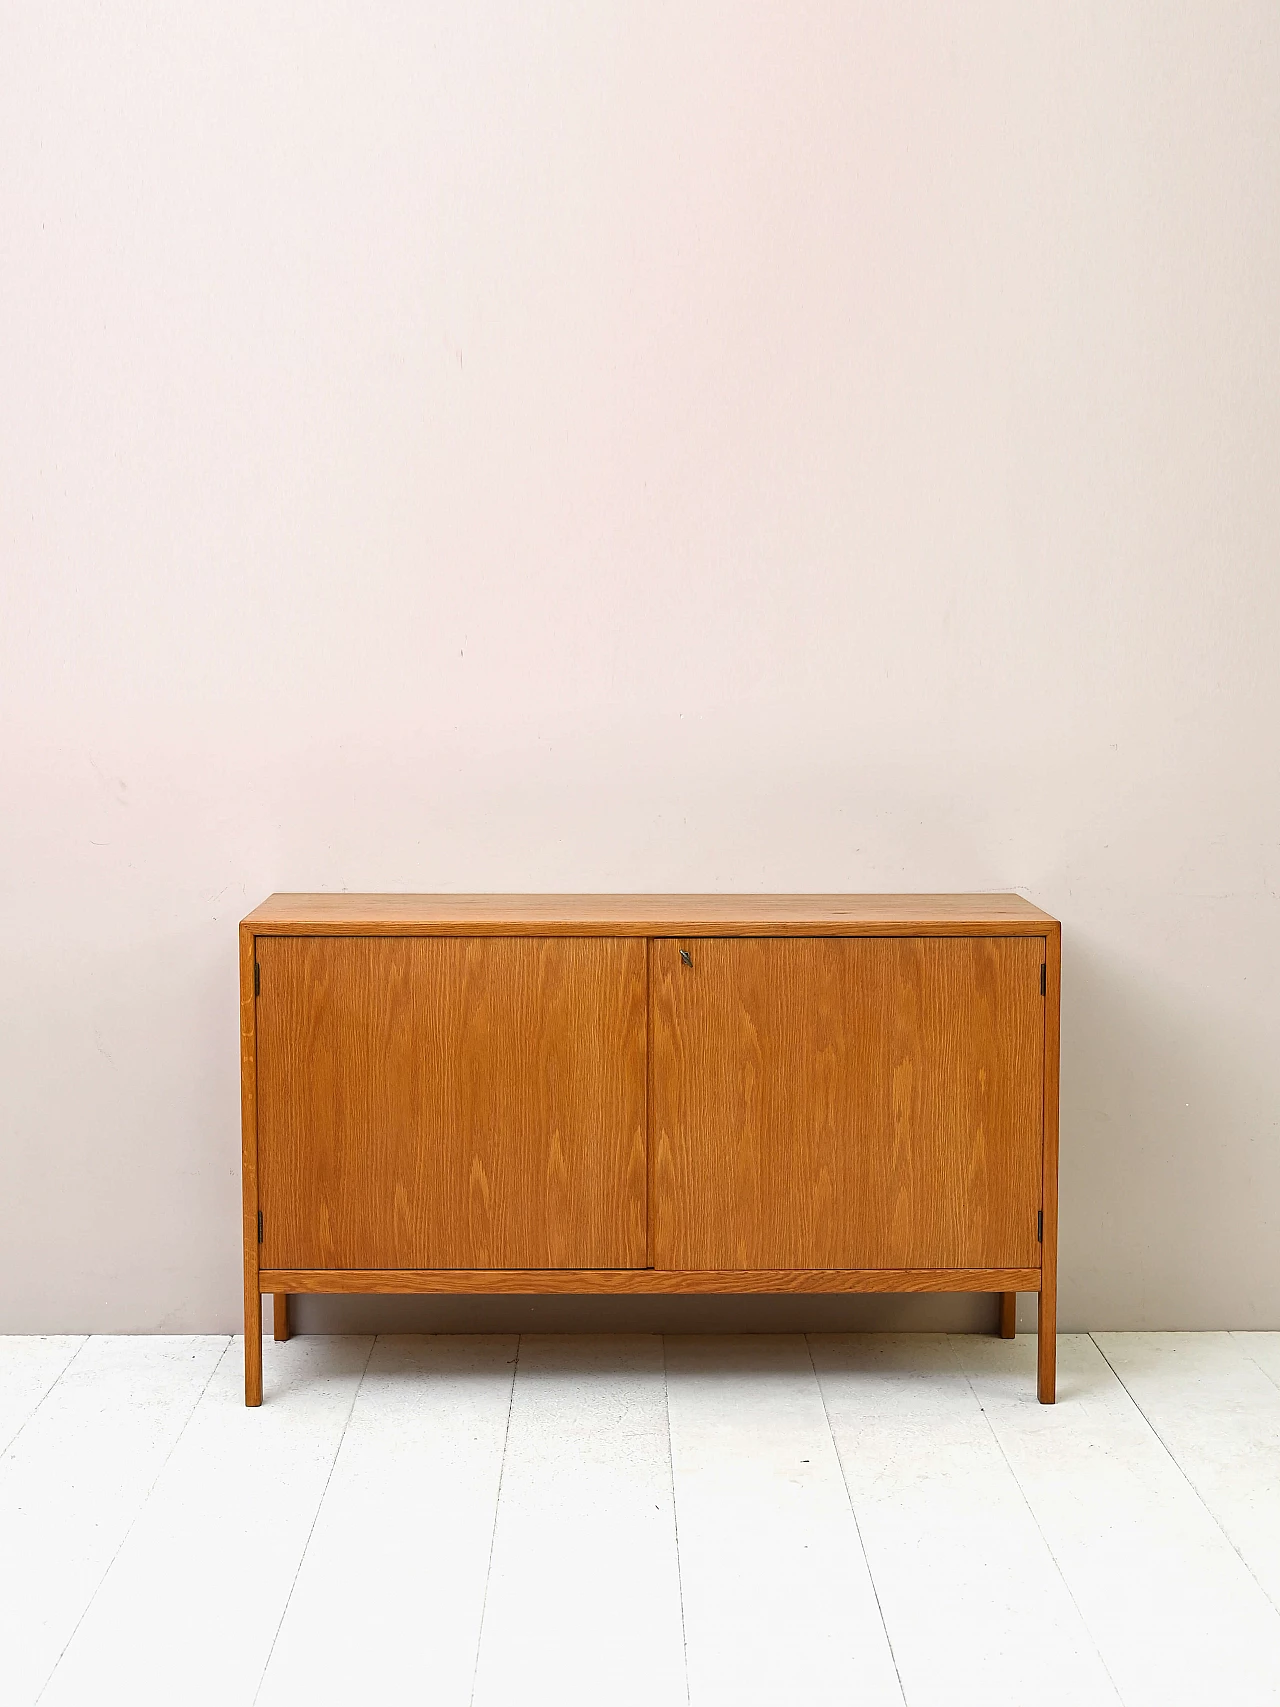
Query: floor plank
pixel 73 1481
pixel 778 1602
pixel 30 1364
pixel 189 1610
pixel 583 1601
pixel 1218 1413
pixel 1262 1349
pixel 388 1601
pixel 974 1603
pixel 1177 1617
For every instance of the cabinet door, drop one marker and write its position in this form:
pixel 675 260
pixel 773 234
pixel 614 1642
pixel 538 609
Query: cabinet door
pixel 439 1102
pixel 847 1103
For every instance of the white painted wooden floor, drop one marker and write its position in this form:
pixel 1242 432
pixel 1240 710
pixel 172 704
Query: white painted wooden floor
pixel 611 1520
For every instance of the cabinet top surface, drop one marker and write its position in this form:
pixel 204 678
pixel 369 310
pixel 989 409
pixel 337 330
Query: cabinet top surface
pixel 648 915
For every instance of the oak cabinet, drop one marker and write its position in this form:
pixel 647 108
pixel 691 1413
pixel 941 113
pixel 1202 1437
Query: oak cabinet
pixel 649 1094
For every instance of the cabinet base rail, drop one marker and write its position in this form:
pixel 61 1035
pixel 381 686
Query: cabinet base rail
pixel 648 1280
pixel 1007 1282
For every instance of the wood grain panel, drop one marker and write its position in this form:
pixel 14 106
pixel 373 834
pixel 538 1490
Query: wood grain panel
pixel 872 1103
pixel 647 915
pixel 451 1102
pixel 641 1280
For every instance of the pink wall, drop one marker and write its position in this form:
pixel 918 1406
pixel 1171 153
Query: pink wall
pixel 728 447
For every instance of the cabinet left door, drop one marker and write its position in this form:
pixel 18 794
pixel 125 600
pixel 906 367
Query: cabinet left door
pixel 451 1102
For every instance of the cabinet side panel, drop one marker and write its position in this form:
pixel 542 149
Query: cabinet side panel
pixel 836 1103
pixel 249 1170
pixel 1052 1054
pixel 1049 1249
pixel 452 1102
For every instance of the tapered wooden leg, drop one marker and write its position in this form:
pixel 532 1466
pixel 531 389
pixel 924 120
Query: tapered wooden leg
pixel 282 1315
pixel 252 1343
pixel 1047 1339
pixel 1008 1315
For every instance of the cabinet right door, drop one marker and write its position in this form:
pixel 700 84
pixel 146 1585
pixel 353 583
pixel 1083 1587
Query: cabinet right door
pixel 858 1102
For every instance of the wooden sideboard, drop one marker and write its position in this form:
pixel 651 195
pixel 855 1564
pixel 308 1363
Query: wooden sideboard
pixel 649 1093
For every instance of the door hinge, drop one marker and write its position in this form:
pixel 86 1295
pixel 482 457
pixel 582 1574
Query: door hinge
pixel 259 1226
pixel 1043 971
pixel 1039 1227
pixel 257 979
